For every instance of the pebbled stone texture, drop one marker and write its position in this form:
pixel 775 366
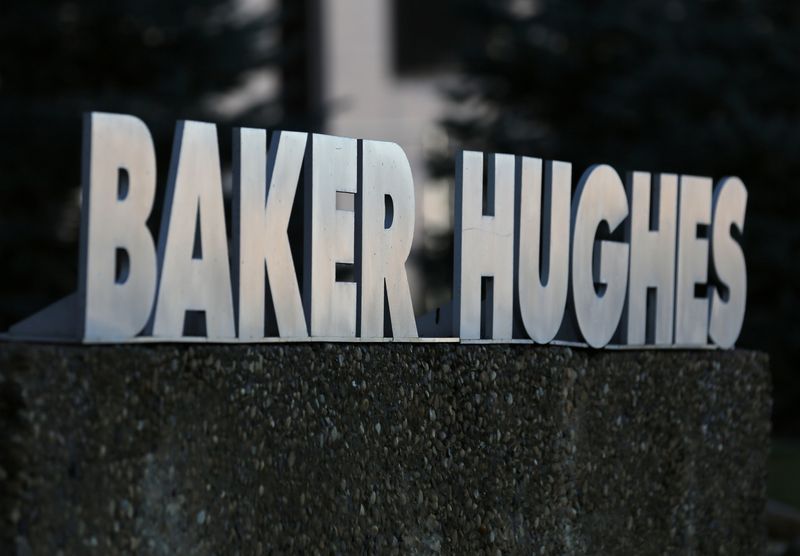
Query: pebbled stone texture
pixel 348 448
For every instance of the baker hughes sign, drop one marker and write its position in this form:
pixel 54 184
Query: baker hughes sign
pixel 655 261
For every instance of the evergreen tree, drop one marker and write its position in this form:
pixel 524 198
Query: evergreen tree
pixel 159 60
pixel 708 87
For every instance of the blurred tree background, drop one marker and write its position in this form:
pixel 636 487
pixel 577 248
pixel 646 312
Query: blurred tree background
pixel 160 60
pixel 706 87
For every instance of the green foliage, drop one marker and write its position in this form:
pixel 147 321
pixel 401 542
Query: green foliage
pixel 160 60
pixel 707 87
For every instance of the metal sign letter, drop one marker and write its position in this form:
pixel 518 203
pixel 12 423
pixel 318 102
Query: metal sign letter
pixel 385 212
pixel 727 311
pixel 329 236
pixel 543 220
pixel 263 195
pixel 484 246
pixel 651 233
pixel 599 268
pixel 691 313
pixel 118 258
pixel 192 248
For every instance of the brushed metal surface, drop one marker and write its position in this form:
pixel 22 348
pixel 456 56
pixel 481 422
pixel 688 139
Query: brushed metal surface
pixel 600 197
pixel 691 313
pixel 727 311
pixel 543 277
pixel 329 236
pixel 650 232
pixel 385 214
pixel 521 243
pixel 484 245
pixel 264 191
pixel 119 184
pixel 194 202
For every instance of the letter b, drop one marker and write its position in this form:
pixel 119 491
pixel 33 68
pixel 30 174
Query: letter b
pixel 117 281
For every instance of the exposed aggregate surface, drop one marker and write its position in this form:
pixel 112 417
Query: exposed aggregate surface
pixel 381 448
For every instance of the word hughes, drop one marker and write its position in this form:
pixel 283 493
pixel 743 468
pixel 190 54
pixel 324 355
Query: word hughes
pixel 653 261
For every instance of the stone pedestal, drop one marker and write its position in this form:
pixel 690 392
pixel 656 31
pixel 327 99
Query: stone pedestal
pixel 346 448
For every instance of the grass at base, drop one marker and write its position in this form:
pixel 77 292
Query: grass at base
pixel 783 471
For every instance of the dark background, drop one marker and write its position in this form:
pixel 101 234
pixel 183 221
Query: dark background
pixel 709 87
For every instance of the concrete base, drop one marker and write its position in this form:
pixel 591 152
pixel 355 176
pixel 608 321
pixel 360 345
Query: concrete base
pixel 377 448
